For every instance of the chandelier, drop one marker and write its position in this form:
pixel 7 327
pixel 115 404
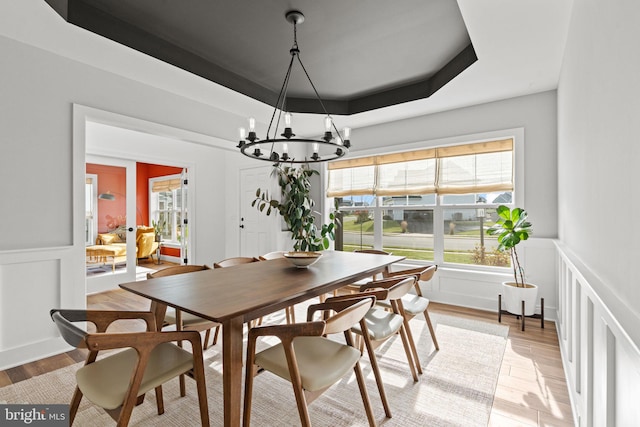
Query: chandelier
pixel 286 147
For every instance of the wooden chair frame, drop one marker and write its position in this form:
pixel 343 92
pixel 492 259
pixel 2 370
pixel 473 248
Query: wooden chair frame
pixel 392 290
pixel 142 342
pixel 204 325
pixel 421 274
pixel 348 313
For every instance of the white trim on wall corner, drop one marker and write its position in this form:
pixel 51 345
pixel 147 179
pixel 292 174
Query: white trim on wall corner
pixel 599 344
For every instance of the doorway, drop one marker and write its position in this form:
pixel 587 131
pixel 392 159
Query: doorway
pixel 257 234
pixel 134 207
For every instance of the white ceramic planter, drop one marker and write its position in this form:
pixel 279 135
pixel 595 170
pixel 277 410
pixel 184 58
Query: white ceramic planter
pixel 513 296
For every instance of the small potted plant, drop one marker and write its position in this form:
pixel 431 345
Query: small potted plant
pixel 511 228
pixel 158 228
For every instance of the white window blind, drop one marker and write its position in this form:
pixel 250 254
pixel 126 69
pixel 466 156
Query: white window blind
pixel 354 177
pixel 460 169
pixel 165 185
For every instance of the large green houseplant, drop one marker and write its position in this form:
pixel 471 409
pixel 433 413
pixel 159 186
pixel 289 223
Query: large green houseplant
pixel 296 208
pixel 512 228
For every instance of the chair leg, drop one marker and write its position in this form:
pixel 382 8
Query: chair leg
pixel 205 344
pixel 159 400
pixel 73 407
pixel 431 331
pixel 364 394
pixel 248 383
pixel 407 350
pixel 376 373
pixel 215 335
pixel 412 345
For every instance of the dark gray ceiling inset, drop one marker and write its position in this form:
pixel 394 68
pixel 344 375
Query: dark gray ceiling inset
pixel 360 54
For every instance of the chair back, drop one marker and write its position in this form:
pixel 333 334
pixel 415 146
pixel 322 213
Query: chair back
pixel 372 251
pixel 427 273
pixel 272 255
pixel 348 317
pixel 177 269
pixel 230 262
pixel 401 288
pixel 70 333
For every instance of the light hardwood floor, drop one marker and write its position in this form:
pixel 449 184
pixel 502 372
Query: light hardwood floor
pixel 531 388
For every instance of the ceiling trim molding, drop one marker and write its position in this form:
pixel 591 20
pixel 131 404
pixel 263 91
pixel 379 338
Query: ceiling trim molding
pixel 99 22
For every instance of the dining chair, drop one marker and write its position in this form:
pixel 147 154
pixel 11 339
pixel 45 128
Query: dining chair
pixel 354 287
pixel 290 313
pixel 416 304
pixel 272 255
pixel 382 324
pixel 186 321
pixel 230 262
pixel 120 380
pixel 307 358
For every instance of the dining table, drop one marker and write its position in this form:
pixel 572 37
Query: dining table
pixel 235 295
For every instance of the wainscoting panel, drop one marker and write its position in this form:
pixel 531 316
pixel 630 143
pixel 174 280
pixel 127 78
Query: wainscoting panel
pixel 32 283
pixel 601 360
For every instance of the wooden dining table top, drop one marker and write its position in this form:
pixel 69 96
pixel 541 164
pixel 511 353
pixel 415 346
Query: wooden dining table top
pixel 259 288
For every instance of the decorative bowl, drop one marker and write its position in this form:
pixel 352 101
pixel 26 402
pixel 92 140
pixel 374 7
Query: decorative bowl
pixel 302 259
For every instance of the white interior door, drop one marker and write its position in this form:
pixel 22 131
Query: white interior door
pixel 116 212
pixel 258 232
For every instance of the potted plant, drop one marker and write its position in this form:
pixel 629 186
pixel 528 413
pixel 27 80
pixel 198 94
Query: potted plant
pixel 511 228
pixel 158 228
pixel 296 208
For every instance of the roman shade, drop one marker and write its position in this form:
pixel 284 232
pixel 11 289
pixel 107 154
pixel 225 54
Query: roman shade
pixel 460 169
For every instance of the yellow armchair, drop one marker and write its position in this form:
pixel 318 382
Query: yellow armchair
pixel 146 244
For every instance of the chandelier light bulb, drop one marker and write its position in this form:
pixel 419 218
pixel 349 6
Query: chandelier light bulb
pixel 287 120
pixel 347 133
pixel 252 124
pixel 328 123
pixel 316 147
pixel 242 132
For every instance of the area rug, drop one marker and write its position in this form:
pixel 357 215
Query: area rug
pixel 456 388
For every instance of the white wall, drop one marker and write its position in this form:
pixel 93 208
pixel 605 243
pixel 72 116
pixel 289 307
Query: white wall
pixel 40 177
pixel 536 174
pixel 535 113
pixel 598 154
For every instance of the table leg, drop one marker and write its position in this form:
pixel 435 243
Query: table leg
pixel 232 370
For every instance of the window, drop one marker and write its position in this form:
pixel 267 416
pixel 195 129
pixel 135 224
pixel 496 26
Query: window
pixel 167 206
pixel 428 205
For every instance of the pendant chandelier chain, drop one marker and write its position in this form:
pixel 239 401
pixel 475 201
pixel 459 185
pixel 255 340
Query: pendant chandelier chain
pixel 333 146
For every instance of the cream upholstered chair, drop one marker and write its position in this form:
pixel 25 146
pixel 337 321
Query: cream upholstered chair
pixel 119 381
pixel 290 313
pixel 186 321
pixel 272 255
pixel 381 324
pixel 306 358
pixel 416 304
pixel 230 262
pixel 354 287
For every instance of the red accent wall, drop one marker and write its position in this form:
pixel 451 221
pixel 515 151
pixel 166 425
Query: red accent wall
pixel 112 179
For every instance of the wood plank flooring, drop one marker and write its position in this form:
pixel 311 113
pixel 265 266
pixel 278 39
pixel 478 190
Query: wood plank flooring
pixel 531 388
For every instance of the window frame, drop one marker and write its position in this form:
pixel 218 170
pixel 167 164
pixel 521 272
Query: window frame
pixel 518 196
pixel 173 213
